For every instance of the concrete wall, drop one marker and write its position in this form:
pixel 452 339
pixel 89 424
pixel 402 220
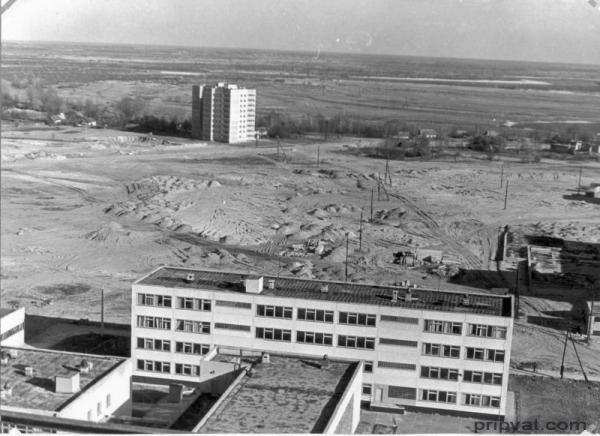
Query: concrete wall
pixel 346 415
pixel 117 384
pixel 12 328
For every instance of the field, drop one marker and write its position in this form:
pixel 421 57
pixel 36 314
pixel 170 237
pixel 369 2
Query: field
pixel 84 209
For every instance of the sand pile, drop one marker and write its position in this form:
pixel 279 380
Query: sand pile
pixel 392 217
pixel 111 233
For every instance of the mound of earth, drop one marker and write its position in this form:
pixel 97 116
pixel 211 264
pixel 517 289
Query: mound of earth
pixel 112 233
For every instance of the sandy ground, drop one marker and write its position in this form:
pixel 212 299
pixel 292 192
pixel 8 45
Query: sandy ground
pixel 85 209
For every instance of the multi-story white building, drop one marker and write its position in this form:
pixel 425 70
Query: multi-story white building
pixel 223 113
pixel 421 348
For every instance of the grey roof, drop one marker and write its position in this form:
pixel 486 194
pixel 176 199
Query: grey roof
pixel 289 287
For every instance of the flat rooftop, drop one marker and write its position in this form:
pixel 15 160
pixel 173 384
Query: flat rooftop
pixel 287 395
pixel 289 287
pixel 37 391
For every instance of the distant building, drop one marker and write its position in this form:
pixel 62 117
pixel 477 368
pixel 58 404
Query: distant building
pixel 403 135
pixel 12 327
pixel 421 348
pixel 592 316
pixel 223 113
pixel 428 133
pixel 593 191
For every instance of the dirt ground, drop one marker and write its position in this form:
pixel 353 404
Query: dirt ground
pixel 86 209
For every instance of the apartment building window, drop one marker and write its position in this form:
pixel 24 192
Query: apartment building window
pixel 153 366
pixel 194 304
pixel 89 415
pixel 191 348
pixel 438 396
pixel 441 350
pixel 274 311
pixel 185 325
pixel 400 319
pixel 485 354
pixel 154 322
pixel 99 408
pixel 236 304
pixel 490 378
pixel 356 342
pixel 397 365
pixel 154 344
pixel 368 367
pixel 480 400
pixel 272 334
pixel 447 327
pixel 314 338
pixel 439 373
pixel 314 315
pixel 153 300
pixel 226 326
pixel 108 402
pixel 487 331
pixel 185 369
pixel 402 392
pixel 367 389
pixel 354 318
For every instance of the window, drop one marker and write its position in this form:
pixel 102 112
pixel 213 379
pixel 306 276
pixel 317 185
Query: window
pixel 481 400
pixel 191 348
pixel 485 354
pixel 438 396
pixel 441 350
pixel 356 342
pixel 314 338
pixel 194 304
pixel 315 315
pixel 225 326
pixel 154 322
pixel 99 408
pixel 488 331
pixel 397 365
pixel 400 319
pixel 186 303
pixel 366 389
pixel 150 365
pixel 274 311
pixel 107 400
pixel 153 300
pixel 399 342
pixel 154 344
pixel 185 325
pixel 186 369
pixel 89 415
pixel 357 318
pixel 236 304
pixel 272 334
pixel 439 373
pixel 447 327
pixel 402 392
pixel 368 366
pixel 490 378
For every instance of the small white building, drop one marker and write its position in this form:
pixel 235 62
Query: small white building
pixel 592 316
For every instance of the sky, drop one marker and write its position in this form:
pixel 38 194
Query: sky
pixel 536 30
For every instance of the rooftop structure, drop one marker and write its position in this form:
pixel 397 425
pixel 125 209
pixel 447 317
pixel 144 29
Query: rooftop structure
pixel 68 385
pixel 422 348
pixel 12 327
pixel 286 287
pixel 287 394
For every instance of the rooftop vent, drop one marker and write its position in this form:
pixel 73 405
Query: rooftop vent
pixel 67 382
pixel 265 358
pixel 13 354
pixel 85 366
pixel 395 296
pixel 4 358
pixel 324 289
pixel 6 390
pixel 325 361
pixel 408 297
pixel 271 283
pixel 29 371
pixel 253 284
pixel 190 277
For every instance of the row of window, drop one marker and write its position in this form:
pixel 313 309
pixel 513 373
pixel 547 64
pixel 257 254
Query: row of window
pixel 472 353
pixel 490 378
pixel 467 399
pixel 304 314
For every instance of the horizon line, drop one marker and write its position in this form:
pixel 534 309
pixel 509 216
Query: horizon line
pixel 297 51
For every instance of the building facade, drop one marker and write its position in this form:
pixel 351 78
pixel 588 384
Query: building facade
pixel 223 113
pixel 421 348
pixel 12 327
pixel 592 316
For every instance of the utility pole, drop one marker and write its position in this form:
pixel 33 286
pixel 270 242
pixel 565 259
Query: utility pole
pixel 579 183
pixel 102 310
pixel 585 377
pixel 506 194
pixel 371 205
pixel 318 154
pixel 562 363
pixel 517 292
pixel 360 231
pixel 347 241
pixel 501 175
pixel 590 322
pixel 326 129
pixel 379 189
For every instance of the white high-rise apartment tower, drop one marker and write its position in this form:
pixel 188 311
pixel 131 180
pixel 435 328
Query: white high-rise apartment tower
pixel 223 113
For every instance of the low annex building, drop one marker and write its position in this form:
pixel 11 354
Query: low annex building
pixel 420 348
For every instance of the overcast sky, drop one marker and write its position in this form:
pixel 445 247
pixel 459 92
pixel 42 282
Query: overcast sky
pixel 539 30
